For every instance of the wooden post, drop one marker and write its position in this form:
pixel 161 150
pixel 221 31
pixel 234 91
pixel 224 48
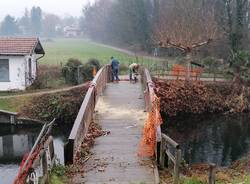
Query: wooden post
pixel 12 119
pixel 211 177
pixel 45 168
pixel 177 166
pixel 163 153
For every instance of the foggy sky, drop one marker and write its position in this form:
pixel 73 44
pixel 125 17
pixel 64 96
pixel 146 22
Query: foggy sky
pixel 59 7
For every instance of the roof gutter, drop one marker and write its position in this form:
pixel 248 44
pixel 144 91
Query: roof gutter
pixel 40 57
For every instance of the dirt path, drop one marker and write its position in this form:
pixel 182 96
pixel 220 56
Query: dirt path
pixel 130 53
pixel 45 92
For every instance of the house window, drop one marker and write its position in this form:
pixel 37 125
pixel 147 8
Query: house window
pixel 4 70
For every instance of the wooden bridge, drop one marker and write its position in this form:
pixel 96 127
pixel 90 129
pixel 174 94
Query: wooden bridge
pixel 120 109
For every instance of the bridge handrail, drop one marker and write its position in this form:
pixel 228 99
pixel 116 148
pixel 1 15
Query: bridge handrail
pixel 163 139
pixel 85 114
pixel 42 150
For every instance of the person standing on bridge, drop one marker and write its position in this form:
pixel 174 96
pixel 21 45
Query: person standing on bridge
pixel 115 69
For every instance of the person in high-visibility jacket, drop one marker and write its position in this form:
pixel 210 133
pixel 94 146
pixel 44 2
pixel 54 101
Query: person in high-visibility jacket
pixel 133 71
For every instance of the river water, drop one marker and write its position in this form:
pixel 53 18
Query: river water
pixel 16 141
pixel 216 139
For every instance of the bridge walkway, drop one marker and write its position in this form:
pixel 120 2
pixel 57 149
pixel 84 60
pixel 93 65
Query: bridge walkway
pixel 120 110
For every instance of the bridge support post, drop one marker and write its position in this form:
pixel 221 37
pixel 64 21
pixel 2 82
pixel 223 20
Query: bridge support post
pixel 212 171
pixel 163 153
pixel 177 166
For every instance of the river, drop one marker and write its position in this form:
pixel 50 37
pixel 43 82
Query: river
pixel 215 139
pixel 15 141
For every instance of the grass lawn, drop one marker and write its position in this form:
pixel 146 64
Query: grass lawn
pixel 59 51
pixel 13 104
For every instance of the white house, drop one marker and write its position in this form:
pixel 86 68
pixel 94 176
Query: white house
pixel 18 62
pixel 71 32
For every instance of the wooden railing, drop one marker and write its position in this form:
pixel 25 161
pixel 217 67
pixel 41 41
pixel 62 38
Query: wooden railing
pixel 8 117
pixel 44 163
pixel 162 139
pixel 36 166
pixel 167 151
pixel 85 114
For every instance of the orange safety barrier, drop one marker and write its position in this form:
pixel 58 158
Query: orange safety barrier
pixel 94 71
pixel 179 70
pixel 24 170
pixel 149 139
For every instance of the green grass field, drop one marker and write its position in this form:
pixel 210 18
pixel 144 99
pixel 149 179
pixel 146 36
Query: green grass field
pixel 13 104
pixel 59 51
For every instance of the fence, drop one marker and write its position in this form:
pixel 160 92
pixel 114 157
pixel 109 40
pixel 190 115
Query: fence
pixel 7 117
pixel 180 73
pixel 36 165
pixel 162 138
pixel 168 150
pixel 85 114
pixel 166 144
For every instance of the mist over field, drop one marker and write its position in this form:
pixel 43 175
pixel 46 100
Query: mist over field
pixel 16 8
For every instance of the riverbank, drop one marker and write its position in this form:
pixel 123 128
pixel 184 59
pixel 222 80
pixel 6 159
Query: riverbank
pixel 63 106
pixel 212 126
pixel 223 140
pixel 182 98
pixel 198 174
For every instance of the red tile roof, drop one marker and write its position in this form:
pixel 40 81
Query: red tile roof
pixel 20 46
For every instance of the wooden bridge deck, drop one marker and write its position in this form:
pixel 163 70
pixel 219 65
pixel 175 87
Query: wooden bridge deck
pixel 120 110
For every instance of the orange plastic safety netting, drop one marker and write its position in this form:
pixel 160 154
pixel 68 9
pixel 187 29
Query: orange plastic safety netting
pixel 179 70
pixel 149 139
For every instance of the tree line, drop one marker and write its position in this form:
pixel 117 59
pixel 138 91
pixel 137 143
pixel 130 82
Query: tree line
pixel 186 25
pixel 151 22
pixel 118 21
pixel 35 22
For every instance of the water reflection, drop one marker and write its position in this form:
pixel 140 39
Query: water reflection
pixel 217 139
pixel 16 141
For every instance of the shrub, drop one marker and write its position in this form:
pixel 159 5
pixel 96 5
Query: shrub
pixel 87 69
pixel 211 64
pixel 240 63
pixel 70 71
pixel 46 77
pixel 95 63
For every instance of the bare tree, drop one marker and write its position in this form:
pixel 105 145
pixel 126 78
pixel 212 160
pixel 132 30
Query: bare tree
pixel 185 25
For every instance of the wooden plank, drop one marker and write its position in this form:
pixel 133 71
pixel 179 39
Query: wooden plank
pixel 170 141
pixel 114 157
pixel 85 114
pixel 8 112
pixel 170 156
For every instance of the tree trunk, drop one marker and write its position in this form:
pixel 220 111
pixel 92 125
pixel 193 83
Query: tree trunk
pixel 188 66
